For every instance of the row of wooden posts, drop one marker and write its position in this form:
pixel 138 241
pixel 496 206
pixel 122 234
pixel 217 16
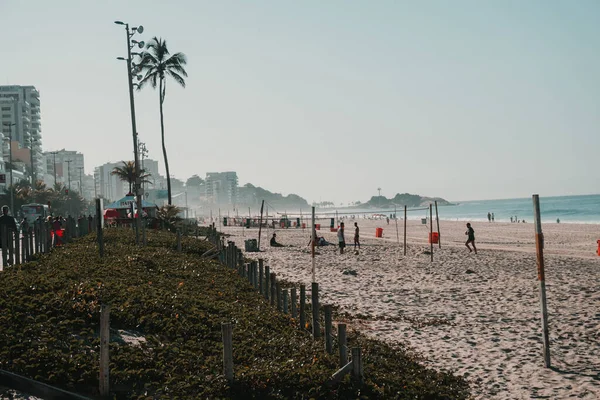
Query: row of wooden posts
pixel 287 302
pixel 19 246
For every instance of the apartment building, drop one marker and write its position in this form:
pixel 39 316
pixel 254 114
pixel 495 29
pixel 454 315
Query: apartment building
pixel 222 187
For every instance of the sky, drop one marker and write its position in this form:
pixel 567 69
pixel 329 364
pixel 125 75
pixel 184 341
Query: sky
pixel 330 100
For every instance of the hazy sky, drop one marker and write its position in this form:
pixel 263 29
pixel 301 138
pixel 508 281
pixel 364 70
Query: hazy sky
pixel 330 99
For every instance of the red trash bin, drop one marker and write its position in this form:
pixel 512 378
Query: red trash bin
pixel 434 237
pixel 379 232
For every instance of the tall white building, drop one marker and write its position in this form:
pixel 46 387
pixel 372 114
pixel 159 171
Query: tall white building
pixel 222 187
pixel 108 186
pixel 20 121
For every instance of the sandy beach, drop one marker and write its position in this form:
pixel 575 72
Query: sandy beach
pixel 477 315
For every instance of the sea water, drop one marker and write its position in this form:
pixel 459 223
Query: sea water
pixel 569 209
pixel 573 209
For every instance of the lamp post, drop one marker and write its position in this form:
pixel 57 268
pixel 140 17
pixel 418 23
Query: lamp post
pixel 80 181
pixel 143 153
pixel 69 172
pixel 12 196
pixel 138 192
pixel 54 153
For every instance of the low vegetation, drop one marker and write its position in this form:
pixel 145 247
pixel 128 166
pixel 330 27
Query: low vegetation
pixel 166 314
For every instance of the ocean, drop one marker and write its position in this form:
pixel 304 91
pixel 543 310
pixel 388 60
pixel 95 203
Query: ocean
pixel 573 209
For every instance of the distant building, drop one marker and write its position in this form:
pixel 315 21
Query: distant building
pixel 65 172
pixel 109 186
pixel 221 187
pixel 20 121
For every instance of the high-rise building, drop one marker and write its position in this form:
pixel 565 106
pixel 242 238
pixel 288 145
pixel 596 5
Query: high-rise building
pixel 20 123
pixel 109 186
pixel 222 187
pixel 57 163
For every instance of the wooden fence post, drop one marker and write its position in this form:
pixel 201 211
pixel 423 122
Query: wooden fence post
pixel 24 245
pixel 4 237
pixel 227 333
pixel 315 310
pixel 293 301
pixel 17 236
pixel 260 275
pixel 278 291
pixel 104 349
pixel 273 287
pixel 302 307
pixel 267 281
pixel 100 234
pixel 31 248
pixel 11 246
pixel 342 344
pixel 285 301
pixel 357 367
pixel 328 338
pixel 539 247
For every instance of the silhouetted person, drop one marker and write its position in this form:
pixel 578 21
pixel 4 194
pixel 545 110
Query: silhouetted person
pixel 356 236
pixel 492 217
pixel 470 238
pixel 8 221
pixel 341 239
pixel 489 217
pixel 274 243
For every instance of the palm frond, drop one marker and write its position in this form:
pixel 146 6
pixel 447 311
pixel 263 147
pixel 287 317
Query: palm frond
pixel 177 78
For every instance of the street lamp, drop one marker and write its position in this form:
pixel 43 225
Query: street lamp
pixel 12 195
pixel 130 71
pixel 54 153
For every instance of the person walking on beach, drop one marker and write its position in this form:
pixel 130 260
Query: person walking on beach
pixel 489 217
pixel 341 240
pixel 470 238
pixel 356 236
pixel 492 217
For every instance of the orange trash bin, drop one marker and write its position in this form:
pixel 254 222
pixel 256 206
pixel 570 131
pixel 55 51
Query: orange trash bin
pixel 318 227
pixel 598 248
pixel 378 232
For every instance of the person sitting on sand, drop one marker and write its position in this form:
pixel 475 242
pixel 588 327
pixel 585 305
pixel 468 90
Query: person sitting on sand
pixel 274 243
pixel 470 238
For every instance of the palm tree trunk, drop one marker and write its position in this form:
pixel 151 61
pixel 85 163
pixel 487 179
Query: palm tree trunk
pixel 162 135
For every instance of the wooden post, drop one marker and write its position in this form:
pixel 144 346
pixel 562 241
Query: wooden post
pixel 179 240
pixel 312 244
pixel 17 247
pixel 404 230
pixel 260 223
pixel 302 307
pixel 31 248
pixel 431 231
pixel 267 291
pixel 100 235
pixel 4 236
pixel 11 246
pixel 278 291
pixel 273 288
pixel 437 218
pixel 315 310
pixel 293 301
pixel 260 275
pixel 342 344
pixel 227 334
pixel 396 219
pixel 104 349
pixel 539 247
pixel 25 244
pixel 285 301
pixel 357 368
pixel 328 338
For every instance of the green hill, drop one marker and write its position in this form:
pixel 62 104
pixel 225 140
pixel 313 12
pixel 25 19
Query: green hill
pixel 405 199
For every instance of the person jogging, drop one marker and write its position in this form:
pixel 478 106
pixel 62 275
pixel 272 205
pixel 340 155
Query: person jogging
pixel 470 238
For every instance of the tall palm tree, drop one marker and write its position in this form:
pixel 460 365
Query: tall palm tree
pixel 127 173
pixel 157 64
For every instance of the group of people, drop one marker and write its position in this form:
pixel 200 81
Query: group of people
pixel 490 217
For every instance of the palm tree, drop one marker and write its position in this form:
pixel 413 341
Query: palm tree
pixel 157 63
pixel 127 173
